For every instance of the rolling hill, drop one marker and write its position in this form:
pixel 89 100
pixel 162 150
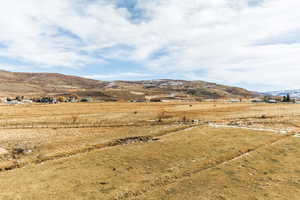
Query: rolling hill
pixel 37 84
pixel 19 83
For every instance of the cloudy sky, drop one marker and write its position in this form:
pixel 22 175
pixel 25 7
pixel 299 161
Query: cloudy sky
pixel 249 43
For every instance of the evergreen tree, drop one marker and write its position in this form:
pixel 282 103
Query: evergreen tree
pixel 284 99
pixel 288 99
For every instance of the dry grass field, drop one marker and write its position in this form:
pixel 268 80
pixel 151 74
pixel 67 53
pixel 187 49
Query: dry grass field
pixel 155 151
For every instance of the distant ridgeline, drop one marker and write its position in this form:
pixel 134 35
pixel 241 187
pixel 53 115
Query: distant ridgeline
pixel 14 84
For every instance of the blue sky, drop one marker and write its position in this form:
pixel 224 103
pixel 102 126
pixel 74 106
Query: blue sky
pixel 253 44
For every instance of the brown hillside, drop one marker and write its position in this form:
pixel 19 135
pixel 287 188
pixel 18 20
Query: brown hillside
pixel 32 84
pixel 17 83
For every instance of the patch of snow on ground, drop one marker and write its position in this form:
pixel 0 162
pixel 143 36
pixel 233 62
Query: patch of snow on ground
pixel 249 128
pixel 297 135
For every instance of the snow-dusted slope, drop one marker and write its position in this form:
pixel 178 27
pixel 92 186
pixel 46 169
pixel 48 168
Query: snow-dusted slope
pixel 292 93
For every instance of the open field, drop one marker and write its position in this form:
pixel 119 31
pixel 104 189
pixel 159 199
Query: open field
pixel 150 151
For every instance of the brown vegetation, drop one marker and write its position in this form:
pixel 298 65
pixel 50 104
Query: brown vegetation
pixel 121 151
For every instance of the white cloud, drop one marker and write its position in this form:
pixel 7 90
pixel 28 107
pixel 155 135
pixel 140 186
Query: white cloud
pixel 220 37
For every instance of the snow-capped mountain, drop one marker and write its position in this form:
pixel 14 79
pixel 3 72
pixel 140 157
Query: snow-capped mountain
pixel 292 93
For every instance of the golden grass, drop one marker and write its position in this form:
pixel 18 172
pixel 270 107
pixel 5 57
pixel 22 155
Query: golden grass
pixel 71 157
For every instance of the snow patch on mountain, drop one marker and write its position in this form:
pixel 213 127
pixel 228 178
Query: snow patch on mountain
pixel 292 93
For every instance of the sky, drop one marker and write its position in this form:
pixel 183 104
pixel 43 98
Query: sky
pixel 254 44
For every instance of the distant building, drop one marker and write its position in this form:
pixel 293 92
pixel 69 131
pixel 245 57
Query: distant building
pixel 138 101
pixel 149 85
pixel 234 100
pixel 13 102
pixel 27 101
pixel 49 100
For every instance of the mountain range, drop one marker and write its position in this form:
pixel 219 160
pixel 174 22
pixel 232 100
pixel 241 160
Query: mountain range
pixel 41 84
pixel 292 93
